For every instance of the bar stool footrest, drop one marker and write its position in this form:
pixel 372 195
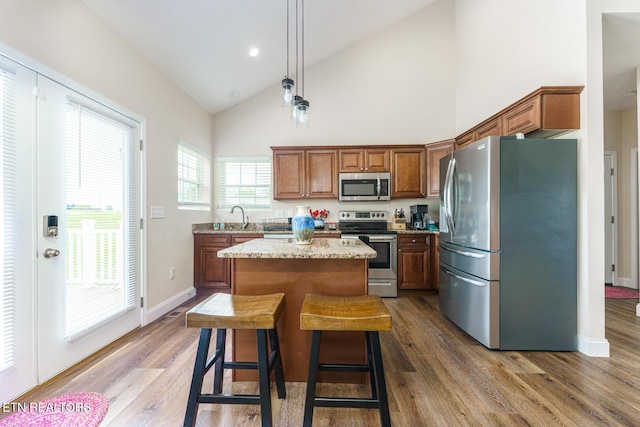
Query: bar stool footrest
pixel 345 402
pixel 233 399
pixel 336 367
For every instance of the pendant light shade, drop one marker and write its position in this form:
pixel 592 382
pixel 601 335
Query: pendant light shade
pixel 303 114
pixel 287 91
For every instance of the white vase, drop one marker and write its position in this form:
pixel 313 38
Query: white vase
pixel 302 226
pixel 319 223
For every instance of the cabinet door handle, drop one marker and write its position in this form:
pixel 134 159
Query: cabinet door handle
pixel 413 240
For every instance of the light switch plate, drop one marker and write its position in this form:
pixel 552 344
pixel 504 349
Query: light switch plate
pixel 157 212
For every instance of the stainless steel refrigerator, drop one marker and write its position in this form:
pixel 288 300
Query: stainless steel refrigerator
pixel 508 242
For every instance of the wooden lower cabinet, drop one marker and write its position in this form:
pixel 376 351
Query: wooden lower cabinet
pixel 435 261
pixel 414 261
pixel 210 273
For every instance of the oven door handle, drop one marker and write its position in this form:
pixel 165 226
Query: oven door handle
pixel 390 238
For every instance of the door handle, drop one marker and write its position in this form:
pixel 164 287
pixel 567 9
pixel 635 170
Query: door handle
pixel 51 253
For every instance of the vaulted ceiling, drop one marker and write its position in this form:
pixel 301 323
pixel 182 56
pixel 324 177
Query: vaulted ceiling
pixel 203 45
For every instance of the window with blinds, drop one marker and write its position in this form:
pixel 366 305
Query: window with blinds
pixel 245 182
pixel 194 179
pixel 101 221
pixel 8 211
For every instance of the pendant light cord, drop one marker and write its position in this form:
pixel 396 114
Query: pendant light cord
pixel 302 62
pixel 287 39
pixel 297 48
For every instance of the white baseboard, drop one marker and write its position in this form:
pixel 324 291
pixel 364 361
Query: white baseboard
pixel 163 308
pixel 593 348
pixel 638 309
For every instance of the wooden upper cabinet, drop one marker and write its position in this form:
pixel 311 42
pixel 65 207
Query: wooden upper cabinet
pixel 302 174
pixel 288 174
pixel 466 138
pixel 322 174
pixel 408 173
pixel 490 128
pixel 435 152
pixel 546 112
pixel 524 118
pixel 353 160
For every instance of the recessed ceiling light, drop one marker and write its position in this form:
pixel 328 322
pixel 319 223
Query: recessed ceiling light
pixel 254 52
pixel 234 93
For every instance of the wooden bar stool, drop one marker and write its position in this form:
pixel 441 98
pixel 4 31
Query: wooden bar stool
pixel 222 312
pixel 364 313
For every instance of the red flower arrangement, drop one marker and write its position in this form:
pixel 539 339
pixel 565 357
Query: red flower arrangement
pixel 320 215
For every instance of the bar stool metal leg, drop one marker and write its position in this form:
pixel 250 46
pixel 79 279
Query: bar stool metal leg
pixel 263 378
pixel 277 363
pixel 376 360
pixel 218 372
pixel 199 370
pixel 372 375
pixel 311 379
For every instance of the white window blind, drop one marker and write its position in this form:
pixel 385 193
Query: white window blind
pixel 8 211
pixel 244 181
pixel 101 219
pixel 194 179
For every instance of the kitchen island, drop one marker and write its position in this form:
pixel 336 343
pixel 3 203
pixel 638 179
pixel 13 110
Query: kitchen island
pixel 336 267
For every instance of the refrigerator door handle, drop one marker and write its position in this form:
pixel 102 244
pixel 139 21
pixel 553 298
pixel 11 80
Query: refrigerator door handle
pixel 448 195
pixel 463 253
pixel 462 279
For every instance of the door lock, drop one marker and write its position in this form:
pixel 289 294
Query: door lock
pixel 50 226
pixel 51 253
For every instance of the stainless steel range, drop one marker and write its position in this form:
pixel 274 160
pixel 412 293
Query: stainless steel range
pixel 371 228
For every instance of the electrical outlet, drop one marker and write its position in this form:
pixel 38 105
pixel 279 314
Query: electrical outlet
pixel 172 273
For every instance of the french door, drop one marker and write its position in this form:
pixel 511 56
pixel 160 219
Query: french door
pixel 70 239
pixel 88 271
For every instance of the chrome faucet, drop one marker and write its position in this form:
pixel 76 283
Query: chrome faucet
pixel 244 222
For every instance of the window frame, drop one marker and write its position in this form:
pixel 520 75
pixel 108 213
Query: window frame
pixel 202 180
pixel 222 198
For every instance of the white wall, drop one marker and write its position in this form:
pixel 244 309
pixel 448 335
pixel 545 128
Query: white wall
pixel 506 49
pixel 395 87
pixel 66 37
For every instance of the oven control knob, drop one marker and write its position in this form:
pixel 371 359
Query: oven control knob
pixel 382 214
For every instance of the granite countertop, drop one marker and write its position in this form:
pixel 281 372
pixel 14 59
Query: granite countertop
pixel 256 228
pixel 287 248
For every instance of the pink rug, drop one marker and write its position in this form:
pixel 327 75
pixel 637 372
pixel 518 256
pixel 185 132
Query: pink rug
pixel 616 292
pixel 68 410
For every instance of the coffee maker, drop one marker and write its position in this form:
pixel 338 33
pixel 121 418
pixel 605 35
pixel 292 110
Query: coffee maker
pixel 419 216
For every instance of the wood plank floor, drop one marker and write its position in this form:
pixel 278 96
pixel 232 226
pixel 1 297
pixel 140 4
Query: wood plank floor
pixel 436 376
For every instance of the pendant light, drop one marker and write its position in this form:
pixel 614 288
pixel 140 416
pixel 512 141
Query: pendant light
pixel 287 83
pixel 299 105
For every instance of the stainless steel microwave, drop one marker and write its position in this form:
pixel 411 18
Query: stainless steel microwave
pixel 365 186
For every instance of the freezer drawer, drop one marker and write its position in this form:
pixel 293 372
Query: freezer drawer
pixel 471 303
pixel 482 264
